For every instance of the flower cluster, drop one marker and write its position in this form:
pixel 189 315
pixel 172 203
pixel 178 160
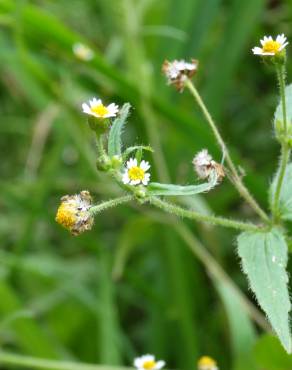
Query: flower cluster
pixel 135 173
pixel 178 71
pixel 96 109
pixel 204 165
pixel 207 363
pixel 148 362
pixel 270 46
pixel 73 213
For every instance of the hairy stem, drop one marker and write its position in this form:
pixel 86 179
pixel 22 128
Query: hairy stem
pixel 110 203
pixel 10 359
pixel 241 188
pixel 185 213
pixel 285 151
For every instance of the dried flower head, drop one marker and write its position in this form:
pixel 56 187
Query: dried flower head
pixel 207 363
pixel 271 46
pixel 82 52
pixel 178 71
pixel 98 110
pixel 135 173
pixel 148 362
pixel 204 165
pixel 73 212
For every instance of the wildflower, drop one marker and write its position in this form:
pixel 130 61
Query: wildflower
pixel 147 362
pixel 98 110
pixel 207 363
pixel 271 46
pixel 204 165
pixel 178 71
pixel 136 174
pixel 73 212
pixel 82 52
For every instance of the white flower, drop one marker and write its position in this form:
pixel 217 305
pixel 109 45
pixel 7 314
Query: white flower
pixel 271 46
pixel 136 174
pixel 82 52
pixel 178 71
pixel 97 109
pixel 147 362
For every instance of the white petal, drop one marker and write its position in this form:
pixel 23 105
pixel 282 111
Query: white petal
pixel 86 108
pixel 125 178
pixel 135 182
pixel 138 362
pixel 144 165
pixel 148 357
pixel 95 102
pixel 145 181
pixel 132 162
pixel 257 51
pixel 159 365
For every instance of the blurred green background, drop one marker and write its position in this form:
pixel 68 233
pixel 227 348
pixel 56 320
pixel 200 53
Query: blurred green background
pixel 140 281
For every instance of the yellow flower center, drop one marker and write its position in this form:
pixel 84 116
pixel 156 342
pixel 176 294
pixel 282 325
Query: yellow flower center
pixel 149 365
pixel 136 173
pixel 271 46
pixel 66 216
pixel 205 362
pixel 100 110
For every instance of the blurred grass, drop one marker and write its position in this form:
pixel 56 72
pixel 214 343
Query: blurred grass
pixel 130 286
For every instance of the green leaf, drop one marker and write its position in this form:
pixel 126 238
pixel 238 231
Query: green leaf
pixel 285 201
pixel 155 188
pixel 131 149
pixel 270 355
pixel 279 111
pixel 114 140
pixel 264 258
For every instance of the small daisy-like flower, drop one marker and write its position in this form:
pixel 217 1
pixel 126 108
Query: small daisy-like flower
pixel 73 212
pixel 98 110
pixel 271 46
pixel 204 165
pixel 82 52
pixel 178 71
pixel 148 362
pixel 136 174
pixel 207 363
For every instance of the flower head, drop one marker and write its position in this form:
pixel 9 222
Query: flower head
pixel 136 173
pixel 148 362
pixel 271 46
pixel 207 363
pixel 98 110
pixel 82 52
pixel 178 71
pixel 204 165
pixel 73 212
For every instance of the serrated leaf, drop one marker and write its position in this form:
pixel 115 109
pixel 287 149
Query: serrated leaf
pixel 155 188
pixel 279 111
pixel 115 134
pixel 264 258
pixel 285 201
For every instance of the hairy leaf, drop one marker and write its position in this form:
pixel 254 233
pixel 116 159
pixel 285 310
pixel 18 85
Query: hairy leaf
pixel 114 140
pixel 264 258
pixel 155 188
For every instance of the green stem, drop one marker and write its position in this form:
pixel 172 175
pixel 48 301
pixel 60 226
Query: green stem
pixel 10 359
pixel 285 151
pixel 110 203
pixel 241 188
pixel 182 212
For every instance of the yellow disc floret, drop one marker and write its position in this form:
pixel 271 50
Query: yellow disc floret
pixel 207 363
pixel 148 365
pixel 136 173
pixel 100 110
pixel 66 216
pixel 271 46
